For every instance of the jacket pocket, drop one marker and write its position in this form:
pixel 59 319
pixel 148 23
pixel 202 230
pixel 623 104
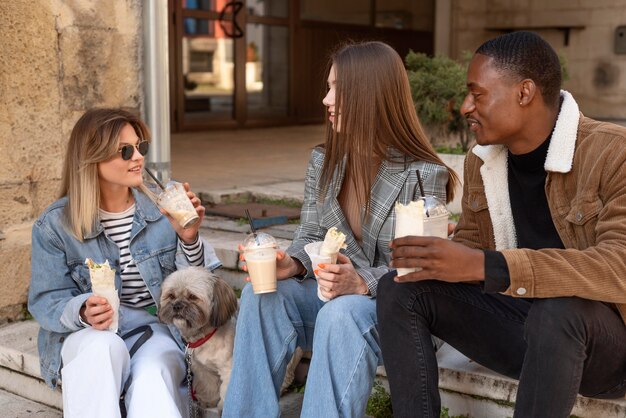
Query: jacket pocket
pixel 80 275
pixel 479 211
pixel 582 219
pixel 583 209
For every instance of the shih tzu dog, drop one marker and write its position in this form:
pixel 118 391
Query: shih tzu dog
pixel 203 307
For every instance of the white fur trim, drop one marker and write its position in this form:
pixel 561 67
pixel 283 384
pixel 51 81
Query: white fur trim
pixel 495 179
pixel 494 170
pixel 563 143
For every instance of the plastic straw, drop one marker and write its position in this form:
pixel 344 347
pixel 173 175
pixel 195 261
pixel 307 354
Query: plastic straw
pixel 256 237
pixel 154 178
pixel 419 184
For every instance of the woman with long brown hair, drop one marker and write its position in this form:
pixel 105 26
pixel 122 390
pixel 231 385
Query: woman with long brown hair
pixel 106 213
pixel 374 146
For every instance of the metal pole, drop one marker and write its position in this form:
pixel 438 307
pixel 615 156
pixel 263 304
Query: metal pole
pixel 156 84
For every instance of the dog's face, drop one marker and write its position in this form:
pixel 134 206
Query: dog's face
pixel 195 300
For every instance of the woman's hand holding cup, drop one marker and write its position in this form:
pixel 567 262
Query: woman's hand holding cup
pixel 188 235
pixel 286 266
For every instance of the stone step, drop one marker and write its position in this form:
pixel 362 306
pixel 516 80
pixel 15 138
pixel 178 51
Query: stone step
pixel 13 406
pixel 465 386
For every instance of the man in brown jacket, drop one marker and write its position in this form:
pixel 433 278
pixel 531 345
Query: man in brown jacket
pixel 543 233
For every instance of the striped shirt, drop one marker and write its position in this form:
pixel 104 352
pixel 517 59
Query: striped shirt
pixel 135 293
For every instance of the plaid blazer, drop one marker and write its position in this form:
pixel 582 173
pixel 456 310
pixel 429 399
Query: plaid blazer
pixel 395 182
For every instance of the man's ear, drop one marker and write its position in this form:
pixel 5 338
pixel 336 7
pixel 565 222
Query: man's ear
pixel 527 91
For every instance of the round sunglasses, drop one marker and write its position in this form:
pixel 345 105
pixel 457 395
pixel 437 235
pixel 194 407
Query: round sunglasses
pixel 128 150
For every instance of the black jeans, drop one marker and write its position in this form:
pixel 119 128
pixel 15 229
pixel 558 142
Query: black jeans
pixel 556 347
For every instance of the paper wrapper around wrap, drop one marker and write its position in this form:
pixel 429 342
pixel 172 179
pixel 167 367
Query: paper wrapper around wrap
pixel 409 221
pixel 103 285
pixel 313 251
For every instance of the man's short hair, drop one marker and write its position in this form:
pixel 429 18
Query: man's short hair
pixel 527 55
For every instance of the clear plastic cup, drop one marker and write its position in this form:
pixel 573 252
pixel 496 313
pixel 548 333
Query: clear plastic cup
pixel 260 253
pixel 436 219
pixel 432 223
pixel 176 203
pixel 313 251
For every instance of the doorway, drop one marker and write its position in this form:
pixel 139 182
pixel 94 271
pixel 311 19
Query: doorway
pixel 230 63
pixel 253 63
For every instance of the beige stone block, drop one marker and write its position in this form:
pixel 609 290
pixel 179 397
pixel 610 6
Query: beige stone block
pixel 596 4
pixel 100 69
pixel 43 193
pixel 610 16
pixel 15 272
pixel 122 15
pixel 470 21
pixel 507 19
pixel 30 95
pixel 462 6
pixel 597 41
pixel 468 41
pixel 25 201
pixel 15 205
pixel 570 17
pixel 543 5
pixel 511 6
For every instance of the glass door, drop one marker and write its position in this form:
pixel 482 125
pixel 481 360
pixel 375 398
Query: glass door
pixel 231 62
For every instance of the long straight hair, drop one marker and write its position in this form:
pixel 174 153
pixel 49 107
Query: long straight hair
pixel 94 139
pixel 376 111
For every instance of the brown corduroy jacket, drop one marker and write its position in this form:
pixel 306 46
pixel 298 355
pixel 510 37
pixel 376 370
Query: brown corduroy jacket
pixel 586 191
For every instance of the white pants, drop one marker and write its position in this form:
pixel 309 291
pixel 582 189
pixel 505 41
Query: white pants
pixel 96 365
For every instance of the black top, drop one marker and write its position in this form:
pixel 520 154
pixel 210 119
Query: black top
pixel 531 214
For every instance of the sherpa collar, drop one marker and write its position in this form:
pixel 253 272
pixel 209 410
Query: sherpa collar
pixel 494 170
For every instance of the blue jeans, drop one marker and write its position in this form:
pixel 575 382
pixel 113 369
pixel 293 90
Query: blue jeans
pixel 270 327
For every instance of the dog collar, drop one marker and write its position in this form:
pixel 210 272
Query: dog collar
pixel 202 340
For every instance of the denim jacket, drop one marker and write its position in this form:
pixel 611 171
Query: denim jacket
pixel 60 284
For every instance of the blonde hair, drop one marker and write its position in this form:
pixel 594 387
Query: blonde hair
pixel 95 138
pixel 373 99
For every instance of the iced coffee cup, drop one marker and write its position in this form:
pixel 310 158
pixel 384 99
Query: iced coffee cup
pixel 102 278
pixel 260 252
pixel 176 203
pixel 436 217
pixel 427 216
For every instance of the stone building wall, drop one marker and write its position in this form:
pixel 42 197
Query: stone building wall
pixel 597 74
pixel 58 58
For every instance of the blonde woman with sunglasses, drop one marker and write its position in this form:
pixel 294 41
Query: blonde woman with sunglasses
pixel 105 212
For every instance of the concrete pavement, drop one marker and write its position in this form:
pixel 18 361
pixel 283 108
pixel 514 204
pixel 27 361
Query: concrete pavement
pixel 13 406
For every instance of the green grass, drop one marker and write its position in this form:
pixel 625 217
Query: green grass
pixel 289 203
pixel 446 414
pixel 379 403
pixel 457 150
pixel 26 315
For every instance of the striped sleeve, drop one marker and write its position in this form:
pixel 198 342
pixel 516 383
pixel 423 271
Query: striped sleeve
pixel 194 252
